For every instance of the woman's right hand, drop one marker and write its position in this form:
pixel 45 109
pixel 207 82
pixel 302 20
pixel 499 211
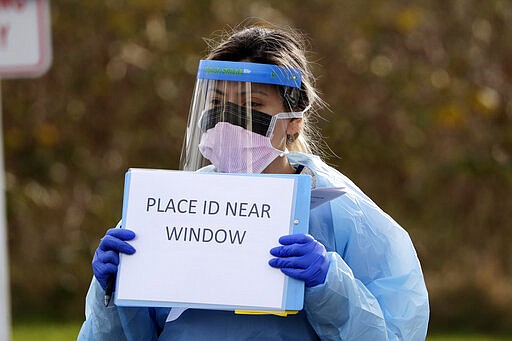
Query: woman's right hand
pixel 106 257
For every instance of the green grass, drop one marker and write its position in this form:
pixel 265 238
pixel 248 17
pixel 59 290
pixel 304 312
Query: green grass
pixel 466 337
pixel 43 331
pixel 53 331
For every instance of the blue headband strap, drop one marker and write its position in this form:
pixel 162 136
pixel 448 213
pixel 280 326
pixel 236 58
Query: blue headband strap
pixel 249 72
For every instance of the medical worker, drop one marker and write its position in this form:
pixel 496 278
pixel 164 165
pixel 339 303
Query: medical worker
pixel 250 113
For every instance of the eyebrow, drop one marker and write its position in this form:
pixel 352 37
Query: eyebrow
pixel 256 91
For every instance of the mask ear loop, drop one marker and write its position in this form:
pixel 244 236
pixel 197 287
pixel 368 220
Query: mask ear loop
pixel 284 115
pixel 291 95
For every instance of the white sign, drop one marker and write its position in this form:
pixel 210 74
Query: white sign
pixel 203 239
pixel 25 49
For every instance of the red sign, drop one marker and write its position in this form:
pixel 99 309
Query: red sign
pixel 25 48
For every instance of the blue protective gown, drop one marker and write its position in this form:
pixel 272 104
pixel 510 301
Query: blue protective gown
pixel 374 289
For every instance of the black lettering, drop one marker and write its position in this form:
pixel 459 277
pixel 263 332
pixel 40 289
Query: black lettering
pixel 192 206
pixel 170 206
pixel 193 232
pixel 265 208
pixel 213 207
pixel 173 233
pixel 236 236
pixel 151 202
pixel 179 205
pixel 206 240
pixel 231 208
pixel 254 210
pixel 243 208
pixel 219 240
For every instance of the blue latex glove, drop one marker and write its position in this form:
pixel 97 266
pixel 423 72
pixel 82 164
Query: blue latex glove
pixel 301 257
pixel 106 257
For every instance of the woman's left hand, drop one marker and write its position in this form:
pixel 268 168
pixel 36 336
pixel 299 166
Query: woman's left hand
pixel 301 257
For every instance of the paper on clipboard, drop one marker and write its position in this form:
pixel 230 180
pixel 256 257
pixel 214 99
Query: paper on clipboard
pixel 320 196
pixel 215 241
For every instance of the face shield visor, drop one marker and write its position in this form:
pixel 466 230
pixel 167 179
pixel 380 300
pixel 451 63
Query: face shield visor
pixel 239 115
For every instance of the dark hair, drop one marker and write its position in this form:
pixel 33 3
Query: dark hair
pixel 279 46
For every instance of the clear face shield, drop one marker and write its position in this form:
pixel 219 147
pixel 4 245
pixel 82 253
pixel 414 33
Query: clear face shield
pixel 239 116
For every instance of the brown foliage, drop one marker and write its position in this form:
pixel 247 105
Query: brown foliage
pixel 421 116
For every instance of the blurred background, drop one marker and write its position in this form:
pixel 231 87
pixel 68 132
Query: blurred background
pixel 420 118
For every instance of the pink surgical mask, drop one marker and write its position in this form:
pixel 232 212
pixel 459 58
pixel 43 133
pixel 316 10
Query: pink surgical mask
pixel 233 149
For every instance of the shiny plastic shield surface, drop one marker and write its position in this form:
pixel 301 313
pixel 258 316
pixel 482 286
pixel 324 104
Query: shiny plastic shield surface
pixel 237 116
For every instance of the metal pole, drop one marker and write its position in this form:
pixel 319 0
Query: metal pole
pixel 5 302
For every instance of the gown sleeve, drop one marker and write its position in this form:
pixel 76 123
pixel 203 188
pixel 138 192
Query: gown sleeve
pixel 374 289
pixel 112 322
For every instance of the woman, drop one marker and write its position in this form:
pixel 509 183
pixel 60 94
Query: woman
pixel 249 114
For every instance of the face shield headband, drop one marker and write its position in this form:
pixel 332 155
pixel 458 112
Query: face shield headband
pixel 249 72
